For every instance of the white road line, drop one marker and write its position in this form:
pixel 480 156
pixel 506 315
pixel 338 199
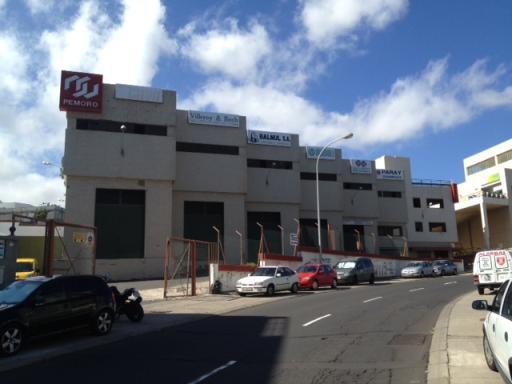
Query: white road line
pixel 375 298
pixel 416 289
pixel 204 377
pixel 314 321
pixel 450 282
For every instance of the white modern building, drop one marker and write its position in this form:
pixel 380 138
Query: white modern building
pixel 484 210
pixel 140 170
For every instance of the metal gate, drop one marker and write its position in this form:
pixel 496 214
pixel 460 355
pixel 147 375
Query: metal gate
pixel 186 265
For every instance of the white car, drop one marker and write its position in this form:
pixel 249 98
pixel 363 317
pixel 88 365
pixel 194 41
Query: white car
pixel 268 280
pixel 497 328
pixel 417 269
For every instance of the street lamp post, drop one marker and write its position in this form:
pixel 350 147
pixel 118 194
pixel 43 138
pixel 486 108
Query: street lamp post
pixel 318 192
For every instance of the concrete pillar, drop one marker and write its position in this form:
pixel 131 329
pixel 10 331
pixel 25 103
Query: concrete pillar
pixel 485 225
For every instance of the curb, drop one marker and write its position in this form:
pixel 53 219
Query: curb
pixel 438 367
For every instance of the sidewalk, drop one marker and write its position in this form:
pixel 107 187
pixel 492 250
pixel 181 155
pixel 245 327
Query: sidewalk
pixel 456 352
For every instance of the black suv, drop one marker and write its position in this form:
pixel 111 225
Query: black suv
pixel 44 305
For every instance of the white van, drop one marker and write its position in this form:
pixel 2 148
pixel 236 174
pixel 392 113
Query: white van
pixel 491 268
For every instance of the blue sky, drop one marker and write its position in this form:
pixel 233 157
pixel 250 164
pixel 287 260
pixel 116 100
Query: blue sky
pixel 430 80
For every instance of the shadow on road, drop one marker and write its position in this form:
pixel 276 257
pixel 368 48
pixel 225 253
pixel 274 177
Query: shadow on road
pixel 178 354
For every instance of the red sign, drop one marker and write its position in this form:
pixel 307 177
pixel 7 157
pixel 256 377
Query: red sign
pixel 81 92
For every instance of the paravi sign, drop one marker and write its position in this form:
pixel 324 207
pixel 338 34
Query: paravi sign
pixel 390 174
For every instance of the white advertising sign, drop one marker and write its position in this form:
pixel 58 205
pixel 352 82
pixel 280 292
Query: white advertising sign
pixel 485 262
pixel 212 118
pixel 269 138
pixel 390 174
pixel 361 166
pixel 137 93
pixel 313 152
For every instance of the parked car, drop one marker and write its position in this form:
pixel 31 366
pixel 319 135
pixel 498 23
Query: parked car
pixel 313 276
pixel 357 270
pixel 491 268
pixel 26 267
pixel 417 269
pixel 497 330
pixel 444 267
pixel 46 305
pixel 268 279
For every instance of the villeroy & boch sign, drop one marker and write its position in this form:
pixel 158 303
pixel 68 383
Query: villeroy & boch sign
pixel 81 92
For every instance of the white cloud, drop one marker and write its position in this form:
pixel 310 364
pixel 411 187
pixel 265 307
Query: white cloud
pixel 229 50
pixel 326 21
pixel 413 105
pixel 125 49
pixel 40 6
pixel 13 67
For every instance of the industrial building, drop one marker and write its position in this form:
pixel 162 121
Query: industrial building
pixel 140 170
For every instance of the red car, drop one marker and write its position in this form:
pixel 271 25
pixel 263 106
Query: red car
pixel 314 276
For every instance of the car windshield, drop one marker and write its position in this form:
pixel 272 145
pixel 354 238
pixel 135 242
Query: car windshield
pixel 265 271
pixel 307 268
pixel 346 264
pixel 414 264
pixel 24 266
pixel 18 291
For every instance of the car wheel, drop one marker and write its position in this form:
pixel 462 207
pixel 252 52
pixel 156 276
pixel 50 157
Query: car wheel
pixel 242 294
pixel 11 339
pixel 294 288
pixel 103 322
pixel 455 272
pixel 355 280
pixel 443 272
pixel 489 358
pixel 270 290
pixel 422 274
pixel 137 314
pixel 372 279
pixel 314 285
pixel 334 284
pixel 481 290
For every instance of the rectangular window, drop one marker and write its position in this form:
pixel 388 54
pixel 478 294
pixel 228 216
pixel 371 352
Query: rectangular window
pixel 391 230
pixel 207 148
pixel 435 203
pixel 358 186
pixel 419 226
pixel 393 194
pixel 416 202
pixel 481 166
pixel 120 220
pixel 505 156
pixel 437 227
pixel 321 176
pixel 115 126
pixel 276 164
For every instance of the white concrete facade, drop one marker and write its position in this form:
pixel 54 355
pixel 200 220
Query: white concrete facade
pixel 176 160
pixel 484 210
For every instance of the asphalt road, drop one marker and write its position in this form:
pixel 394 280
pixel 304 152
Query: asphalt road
pixel 364 334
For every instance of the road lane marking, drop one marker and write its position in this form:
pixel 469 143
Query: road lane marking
pixel 314 321
pixel 204 377
pixel 375 298
pixel 450 282
pixel 415 289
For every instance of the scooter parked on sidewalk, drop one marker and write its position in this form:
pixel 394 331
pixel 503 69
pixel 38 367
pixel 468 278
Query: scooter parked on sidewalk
pixel 128 303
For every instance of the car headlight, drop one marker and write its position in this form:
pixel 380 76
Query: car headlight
pixel 306 278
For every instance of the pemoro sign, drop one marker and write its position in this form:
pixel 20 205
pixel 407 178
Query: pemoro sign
pixel 81 92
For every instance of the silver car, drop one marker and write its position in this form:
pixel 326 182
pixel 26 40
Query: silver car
pixel 417 269
pixel 444 267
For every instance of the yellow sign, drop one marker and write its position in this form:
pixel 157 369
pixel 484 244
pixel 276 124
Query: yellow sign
pixel 79 237
pixel 493 178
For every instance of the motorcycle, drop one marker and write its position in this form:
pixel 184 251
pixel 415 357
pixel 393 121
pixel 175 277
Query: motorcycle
pixel 128 303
